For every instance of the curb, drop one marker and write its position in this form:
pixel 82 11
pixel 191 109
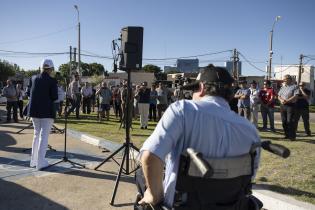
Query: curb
pixel 271 200
pixel 96 141
pixel 99 142
pixel 277 201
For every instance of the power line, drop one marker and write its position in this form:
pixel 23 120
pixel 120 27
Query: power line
pixel 37 37
pixel 32 53
pixel 250 63
pixel 190 56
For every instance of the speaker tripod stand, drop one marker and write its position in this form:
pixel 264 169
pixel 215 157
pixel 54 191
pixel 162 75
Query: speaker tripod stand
pixel 127 147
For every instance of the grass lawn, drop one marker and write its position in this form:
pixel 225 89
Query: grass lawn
pixel 294 176
pixel 109 130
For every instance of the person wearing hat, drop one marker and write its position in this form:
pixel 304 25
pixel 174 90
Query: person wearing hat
pixel 243 96
pixel 206 123
pixel 287 97
pixel 254 102
pixel 43 92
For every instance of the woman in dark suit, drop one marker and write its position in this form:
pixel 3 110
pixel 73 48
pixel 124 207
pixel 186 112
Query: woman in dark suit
pixel 43 92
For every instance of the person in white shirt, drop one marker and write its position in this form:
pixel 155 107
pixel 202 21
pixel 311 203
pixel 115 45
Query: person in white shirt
pixel 86 93
pixel 59 101
pixel 206 124
pixel 254 102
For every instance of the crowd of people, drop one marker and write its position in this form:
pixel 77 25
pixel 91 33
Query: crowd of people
pixel 293 100
pixel 146 103
pixel 149 103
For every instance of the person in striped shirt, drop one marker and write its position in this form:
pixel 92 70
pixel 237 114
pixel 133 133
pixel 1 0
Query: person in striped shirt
pixel 287 97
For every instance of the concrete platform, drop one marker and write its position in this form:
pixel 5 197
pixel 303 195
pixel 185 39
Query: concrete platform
pixel 62 186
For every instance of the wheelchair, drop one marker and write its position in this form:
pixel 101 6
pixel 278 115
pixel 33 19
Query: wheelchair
pixel 205 183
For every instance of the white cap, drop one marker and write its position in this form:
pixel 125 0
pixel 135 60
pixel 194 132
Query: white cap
pixel 47 64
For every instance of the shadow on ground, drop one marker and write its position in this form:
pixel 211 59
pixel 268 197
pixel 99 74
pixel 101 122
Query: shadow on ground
pixel 14 196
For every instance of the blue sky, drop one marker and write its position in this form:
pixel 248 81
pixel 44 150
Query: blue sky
pixel 172 28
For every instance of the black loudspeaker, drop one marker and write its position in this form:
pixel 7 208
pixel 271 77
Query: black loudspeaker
pixel 131 48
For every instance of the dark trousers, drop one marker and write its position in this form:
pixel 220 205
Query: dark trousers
pixel 20 106
pixel 304 112
pixel 10 105
pixel 288 120
pixel 267 111
pixel 152 112
pixel 86 105
pixel 75 105
pixel 117 108
pixel 161 108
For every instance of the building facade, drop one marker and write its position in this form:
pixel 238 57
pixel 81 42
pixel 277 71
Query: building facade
pixel 229 67
pixel 187 65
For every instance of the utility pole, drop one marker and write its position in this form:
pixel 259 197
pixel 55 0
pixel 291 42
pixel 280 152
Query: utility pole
pixel 300 69
pixel 235 65
pixel 270 48
pixel 75 54
pixel 79 41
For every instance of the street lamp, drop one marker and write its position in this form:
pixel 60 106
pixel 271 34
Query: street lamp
pixel 79 41
pixel 270 51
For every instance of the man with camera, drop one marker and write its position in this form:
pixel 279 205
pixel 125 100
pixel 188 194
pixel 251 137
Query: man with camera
pixel 205 124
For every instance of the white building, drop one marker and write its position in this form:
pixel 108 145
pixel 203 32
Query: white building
pixel 307 76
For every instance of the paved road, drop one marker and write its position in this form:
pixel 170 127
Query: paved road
pixel 62 186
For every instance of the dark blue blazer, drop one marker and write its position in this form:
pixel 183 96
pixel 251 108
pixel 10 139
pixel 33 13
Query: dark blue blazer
pixel 43 92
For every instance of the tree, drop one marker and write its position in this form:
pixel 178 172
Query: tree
pixel 6 70
pixel 159 75
pixel 173 71
pixel 152 68
pixel 86 69
pixel 96 69
pixel 64 70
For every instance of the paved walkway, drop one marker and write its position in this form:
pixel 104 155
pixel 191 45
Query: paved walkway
pixel 62 186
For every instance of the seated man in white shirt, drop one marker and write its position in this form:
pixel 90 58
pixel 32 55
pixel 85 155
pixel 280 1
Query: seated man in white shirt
pixel 205 124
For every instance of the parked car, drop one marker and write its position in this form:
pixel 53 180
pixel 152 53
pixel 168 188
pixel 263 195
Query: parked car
pixel 3 100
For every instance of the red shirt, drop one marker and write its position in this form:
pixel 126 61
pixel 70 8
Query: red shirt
pixel 266 95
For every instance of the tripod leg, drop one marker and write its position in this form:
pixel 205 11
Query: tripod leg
pixel 53 164
pixel 74 163
pixel 31 124
pixel 109 157
pixel 51 148
pixel 135 148
pixel 117 179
